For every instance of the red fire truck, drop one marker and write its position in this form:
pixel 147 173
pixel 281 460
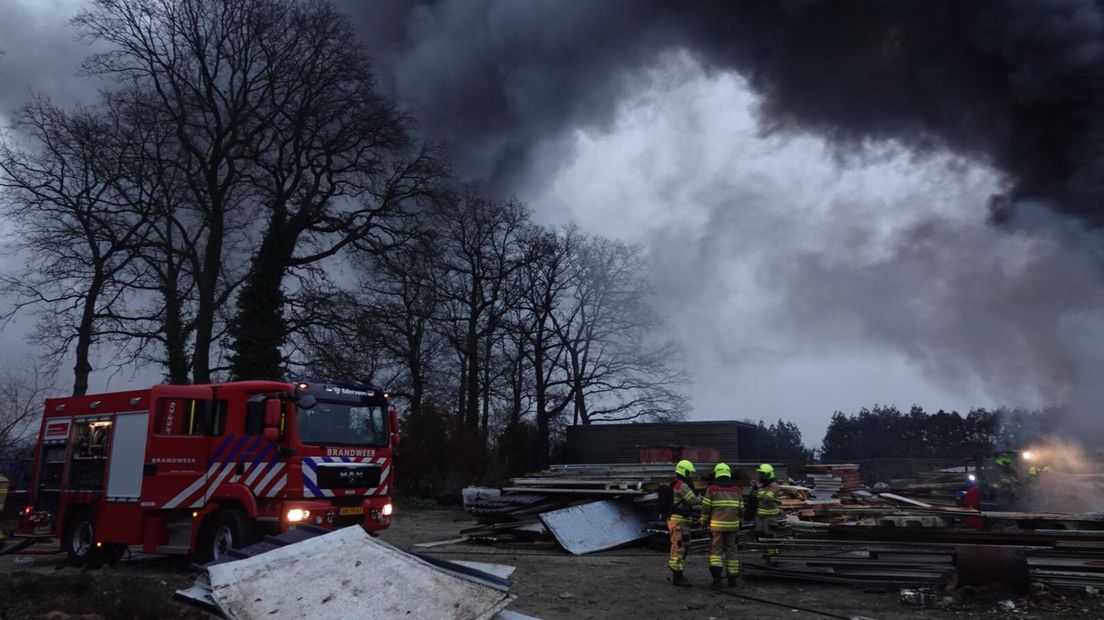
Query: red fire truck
pixel 201 469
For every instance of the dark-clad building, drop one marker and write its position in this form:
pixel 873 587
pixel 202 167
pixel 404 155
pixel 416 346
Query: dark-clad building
pixel 622 443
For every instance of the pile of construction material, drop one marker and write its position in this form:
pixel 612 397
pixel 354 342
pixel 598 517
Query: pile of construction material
pixel 908 545
pixel 830 480
pixel 528 509
pixel 837 530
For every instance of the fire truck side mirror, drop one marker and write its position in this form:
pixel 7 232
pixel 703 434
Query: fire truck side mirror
pixel 273 409
pixel 394 427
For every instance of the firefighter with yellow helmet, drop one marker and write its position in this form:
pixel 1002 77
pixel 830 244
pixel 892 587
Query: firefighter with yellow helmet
pixel 769 504
pixel 723 511
pixel 678 522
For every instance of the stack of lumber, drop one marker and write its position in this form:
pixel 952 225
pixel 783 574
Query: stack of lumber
pixel 833 480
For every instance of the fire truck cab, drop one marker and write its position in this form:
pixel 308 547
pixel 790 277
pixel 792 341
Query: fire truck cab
pixel 201 469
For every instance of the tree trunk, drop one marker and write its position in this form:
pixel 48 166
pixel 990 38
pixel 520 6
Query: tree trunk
pixel 471 407
pixel 484 423
pixel 461 395
pixel 543 439
pixel 81 367
pixel 577 385
pixel 176 336
pixel 207 287
pixel 259 329
pixel 417 383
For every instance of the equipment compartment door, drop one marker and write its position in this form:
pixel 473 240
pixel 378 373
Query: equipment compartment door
pixel 128 450
pixel 175 470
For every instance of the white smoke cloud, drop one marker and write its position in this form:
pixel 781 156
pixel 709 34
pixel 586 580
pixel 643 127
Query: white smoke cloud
pixel 804 280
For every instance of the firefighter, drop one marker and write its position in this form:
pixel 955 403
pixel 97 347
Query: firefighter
pixel 1006 487
pixel 678 523
pixel 722 511
pixel 968 497
pixel 769 506
pixel 1037 473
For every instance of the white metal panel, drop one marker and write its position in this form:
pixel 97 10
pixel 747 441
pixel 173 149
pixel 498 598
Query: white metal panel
pixel 128 452
pixel 596 526
pixel 347 574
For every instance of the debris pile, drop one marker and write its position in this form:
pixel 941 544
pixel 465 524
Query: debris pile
pixel 521 513
pixel 306 569
pixel 830 480
pixel 909 535
pixel 910 545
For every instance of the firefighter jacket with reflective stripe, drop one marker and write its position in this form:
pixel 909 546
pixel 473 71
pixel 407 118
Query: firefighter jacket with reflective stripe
pixel 769 504
pixel 723 506
pixel 685 499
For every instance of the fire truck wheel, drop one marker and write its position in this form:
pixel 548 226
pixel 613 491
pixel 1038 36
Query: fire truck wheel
pixel 225 530
pixel 79 539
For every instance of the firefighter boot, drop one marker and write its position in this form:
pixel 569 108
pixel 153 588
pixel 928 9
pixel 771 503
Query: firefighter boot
pixel 678 579
pixel 733 580
pixel 715 571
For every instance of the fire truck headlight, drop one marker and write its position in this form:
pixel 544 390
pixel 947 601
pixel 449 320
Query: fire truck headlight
pixel 1027 456
pixel 972 477
pixel 387 510
pixel 297 514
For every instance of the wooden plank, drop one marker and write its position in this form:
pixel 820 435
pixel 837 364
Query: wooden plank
pixel 905 500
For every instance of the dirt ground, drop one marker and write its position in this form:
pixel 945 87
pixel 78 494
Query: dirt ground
pixel 623 583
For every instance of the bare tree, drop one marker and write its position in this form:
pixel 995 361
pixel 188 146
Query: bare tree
pixel 24 392
pixel 546 284
pixel 78 236
pixel 480 251
pixel 336 161
pixel 203 63
pixel 286 151
pixel 619 368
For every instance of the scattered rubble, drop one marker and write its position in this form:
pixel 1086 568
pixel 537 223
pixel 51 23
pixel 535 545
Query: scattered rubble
pixel 836 530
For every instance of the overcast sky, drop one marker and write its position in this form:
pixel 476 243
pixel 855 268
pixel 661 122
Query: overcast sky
pixel 802 277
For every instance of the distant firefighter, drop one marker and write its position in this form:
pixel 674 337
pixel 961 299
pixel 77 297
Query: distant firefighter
pixel 769 506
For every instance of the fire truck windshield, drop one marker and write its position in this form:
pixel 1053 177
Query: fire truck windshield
pixel 343 424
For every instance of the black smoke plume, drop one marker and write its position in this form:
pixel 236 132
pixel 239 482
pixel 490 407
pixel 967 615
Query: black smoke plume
pixel 1015 83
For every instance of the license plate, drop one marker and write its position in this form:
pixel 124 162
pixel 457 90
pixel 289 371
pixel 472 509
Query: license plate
pixel 359 510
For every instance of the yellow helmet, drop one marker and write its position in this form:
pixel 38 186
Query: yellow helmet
pixel 722 470
pixel 684 468
pixel 1032 471
pixel 767 470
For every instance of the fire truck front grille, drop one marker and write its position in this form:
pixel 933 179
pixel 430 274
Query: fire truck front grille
pixel 355 500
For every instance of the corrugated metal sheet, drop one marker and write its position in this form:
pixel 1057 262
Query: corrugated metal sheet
pixel 621 443
pixel 596 526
